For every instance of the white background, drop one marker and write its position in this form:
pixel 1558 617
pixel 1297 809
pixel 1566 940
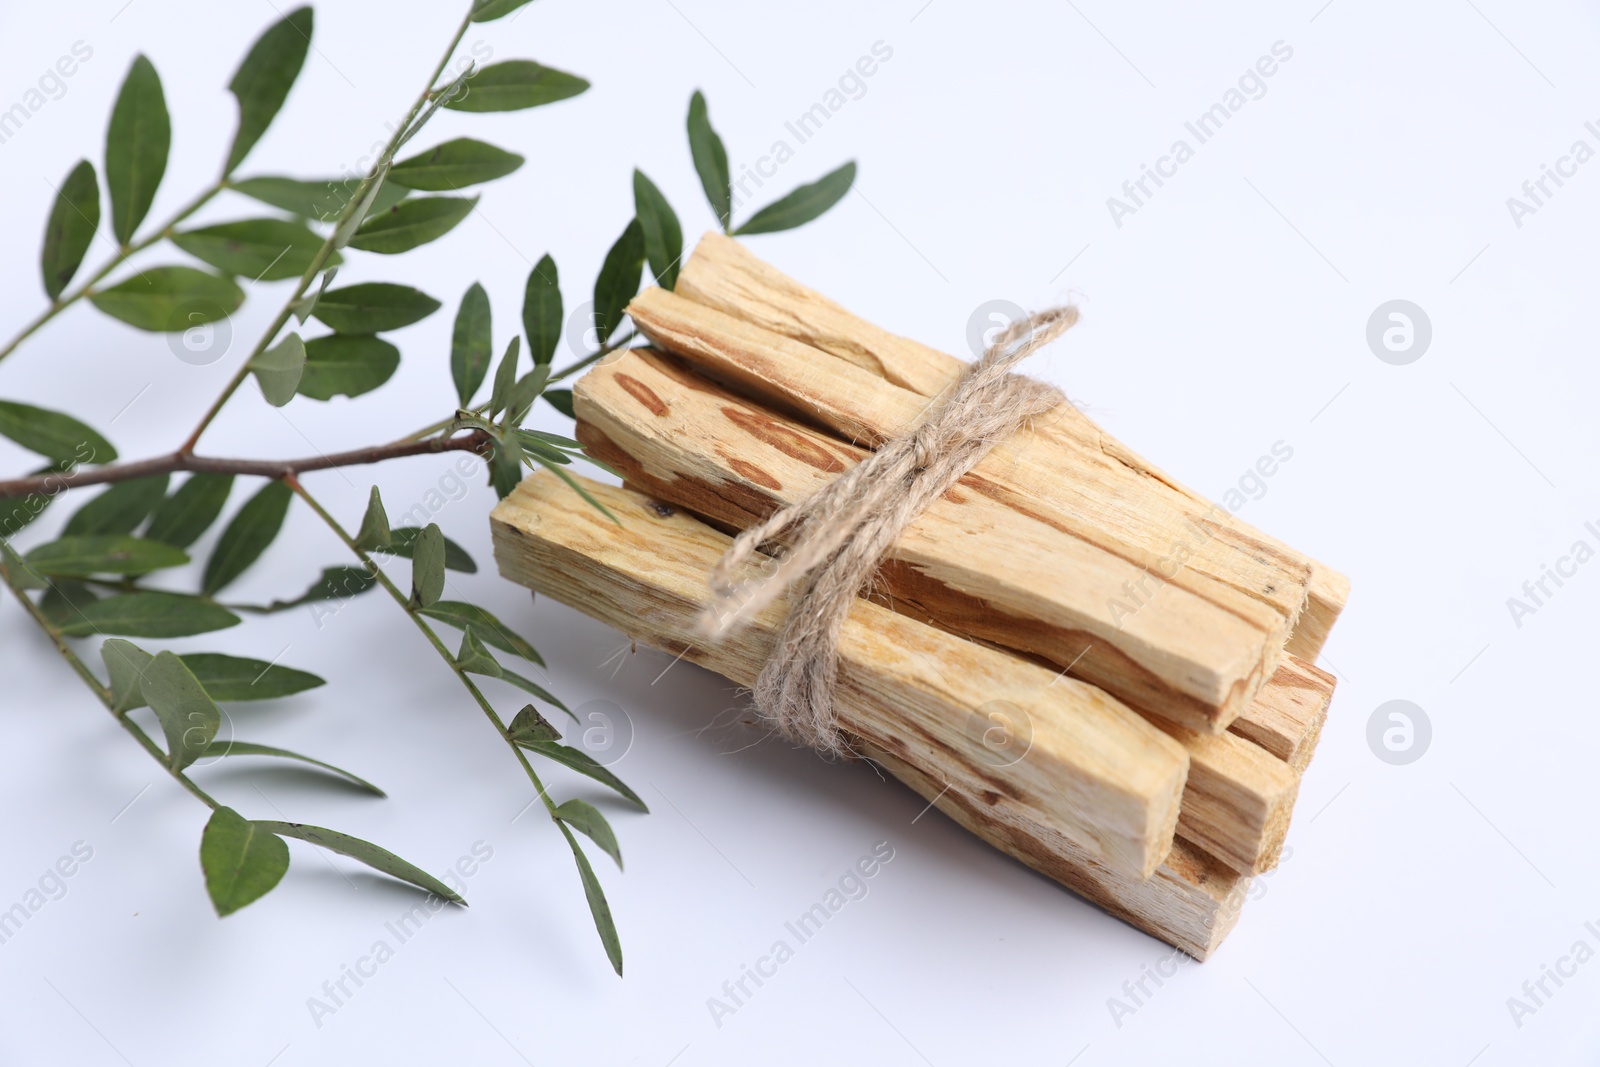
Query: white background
pixel 1227 314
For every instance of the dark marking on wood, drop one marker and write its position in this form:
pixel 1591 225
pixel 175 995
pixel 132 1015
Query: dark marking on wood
pixel 754 473
pixel 643 394
pixel 784 439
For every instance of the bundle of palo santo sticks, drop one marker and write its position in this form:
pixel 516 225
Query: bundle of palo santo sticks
pixel 1090 667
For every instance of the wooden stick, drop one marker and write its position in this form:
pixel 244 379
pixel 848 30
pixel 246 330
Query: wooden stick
pixel 1237 801
pixel 1192 902
pixel 683 440
pixel 1287 716
pixel 724 275
pixel 646 577
pixel 1006 576
pixel 1037 751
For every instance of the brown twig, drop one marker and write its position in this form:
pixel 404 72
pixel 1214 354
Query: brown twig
pixel 53 483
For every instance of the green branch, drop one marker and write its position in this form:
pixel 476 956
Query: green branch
pixel 439 646
pixel 126 252
pixel 318 261
pixel 99 690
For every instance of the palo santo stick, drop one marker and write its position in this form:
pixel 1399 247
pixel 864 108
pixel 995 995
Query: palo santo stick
pixel 1094 771
pixel 545 537
pixel 724 275
pixel 1237 800
pixel 1002 576
pixel 1192 902
pixel 966 564
pixel 1287 716
pixel 867 409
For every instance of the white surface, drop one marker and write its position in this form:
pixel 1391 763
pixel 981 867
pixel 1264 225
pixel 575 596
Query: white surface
pixel 1417 898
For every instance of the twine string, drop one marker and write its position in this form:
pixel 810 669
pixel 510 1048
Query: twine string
pixel 839 535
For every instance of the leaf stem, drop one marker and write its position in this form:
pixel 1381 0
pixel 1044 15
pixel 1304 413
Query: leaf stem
pixel 173 462
pixel 99 690
pixel 320 260
pixel 439 646
pixel 123 254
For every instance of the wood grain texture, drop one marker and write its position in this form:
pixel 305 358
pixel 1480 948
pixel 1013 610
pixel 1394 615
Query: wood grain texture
pixel 1008 576
pixel 1033 750
pixel 1287 716
pixel 646 577
pixel 724 275
pixel 1192 902
pixel 1237 798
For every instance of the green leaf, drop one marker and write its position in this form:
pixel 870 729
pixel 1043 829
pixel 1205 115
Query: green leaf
pixel 73 221
pixel 21 575
pixel 505 378
pixel 66 601
pixel 189 512
pixel 454 165
pixel 373 307
pixel 471 344
pixel 336 583
pixel 663 237
pixel 125 663
pixel 427 566
pixel 279 369
pixel 188 715
pixel 455 557
pixel 118 510
pixel 246 748
pixel 598 908
pixel 136 148
pixel 493 632
pixel 324 201
pixel 514 85
pixel 802 205
pixel 263 80
pixel 374 533
pixel 578 760
pixel 380 859
pixel 541 311
pixel 533 441
pixel 554 440
pixel 226 679
pixel 710 160
pixel 263 250
pixel 586 818
pixel 618 281
pixel 104 554
pixel 53 435
pixel 229 679
pixel 358 212
pixel 304 305
pixel 170 299
pixel 411 223
pixel 489 10
pixel 148 614
pixel 529 727
pixel 473 657
pixel 247 536
pixel 242 860
pixel 505 470
pixel 347 364
pixel 525 392
pixel 561 400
